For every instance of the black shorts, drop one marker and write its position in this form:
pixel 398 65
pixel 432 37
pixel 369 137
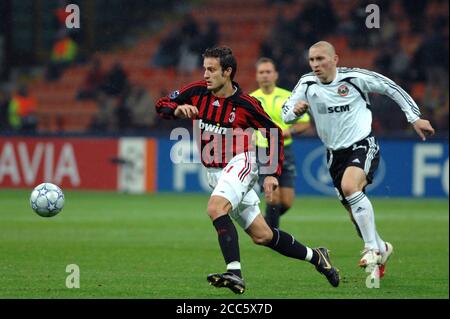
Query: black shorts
pixel 288 170
pixel 364 154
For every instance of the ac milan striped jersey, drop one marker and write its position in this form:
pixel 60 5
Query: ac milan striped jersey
pixel 226 125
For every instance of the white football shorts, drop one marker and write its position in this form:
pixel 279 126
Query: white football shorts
pixel 235 183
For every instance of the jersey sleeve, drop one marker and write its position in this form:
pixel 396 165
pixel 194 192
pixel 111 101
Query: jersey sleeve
pixel 298 94
pixel 305 118
pixel 377 83
pixel 166 105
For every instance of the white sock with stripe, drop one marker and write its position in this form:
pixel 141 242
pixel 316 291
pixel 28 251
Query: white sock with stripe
pixel 381 243
pixel 362 212
pixel 309 254
pixel 234 265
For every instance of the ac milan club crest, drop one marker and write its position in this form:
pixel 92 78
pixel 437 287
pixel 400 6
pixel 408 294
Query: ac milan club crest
pixel 232 117
pixel 174 95
pixel 343 90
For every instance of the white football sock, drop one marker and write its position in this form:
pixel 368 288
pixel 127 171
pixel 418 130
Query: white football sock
pixel 381 243
pixel 234 265
pixel 362 212
pixel 309 254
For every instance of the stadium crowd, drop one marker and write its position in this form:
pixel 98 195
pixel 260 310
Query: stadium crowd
pixel 424 72
pixel 122 103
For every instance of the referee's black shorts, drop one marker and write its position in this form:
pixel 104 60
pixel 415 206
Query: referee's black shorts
pixel 364 154
pixel 288 171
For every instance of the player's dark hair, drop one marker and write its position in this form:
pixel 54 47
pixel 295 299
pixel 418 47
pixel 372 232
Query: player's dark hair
pixel 266 60
pixel 225 56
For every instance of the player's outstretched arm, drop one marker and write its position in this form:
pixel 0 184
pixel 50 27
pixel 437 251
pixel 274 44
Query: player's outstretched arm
pixel 423 128
pixel 186 111
pixel 300 108
pixel 178 104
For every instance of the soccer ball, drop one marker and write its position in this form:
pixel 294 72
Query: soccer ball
pixel 47 199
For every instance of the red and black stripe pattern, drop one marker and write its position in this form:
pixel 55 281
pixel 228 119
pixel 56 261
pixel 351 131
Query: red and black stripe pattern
pixel 226 125
pixel 246 169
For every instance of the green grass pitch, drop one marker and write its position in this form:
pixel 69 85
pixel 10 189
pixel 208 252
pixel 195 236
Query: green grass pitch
pixel 164 245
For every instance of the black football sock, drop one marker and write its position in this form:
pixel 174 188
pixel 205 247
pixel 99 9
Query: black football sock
pixel 228 241
pixel 273 215
pixel 286 245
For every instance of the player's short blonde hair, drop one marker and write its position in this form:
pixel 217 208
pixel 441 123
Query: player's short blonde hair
pixel 326 45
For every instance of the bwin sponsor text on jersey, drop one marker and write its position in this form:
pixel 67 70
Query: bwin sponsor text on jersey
pixel 208 127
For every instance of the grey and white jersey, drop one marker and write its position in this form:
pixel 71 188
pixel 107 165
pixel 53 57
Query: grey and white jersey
pixel 341 109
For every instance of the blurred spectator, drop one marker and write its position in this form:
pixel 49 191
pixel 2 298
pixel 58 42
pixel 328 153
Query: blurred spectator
pixel 388 33
pixel 189 27
pixel 109 97
pixel 400 64
pixel 431 57
pixel 415 10
pixel 289 39
pixel 184 46
pixel 387 116
pixel 92 82
pixel 22 109
pixel 425 71
pixel 279 37
pixel 315 21
pixel 123 112
pixel 431 65
pixel 393 61
pixel 63 54
pixel 116 81
pixel 4 109
pixel 136 110
pixel 441 117
pixel 189 58
pixel 167 53
pixel 359 36
pixel 209 38
pixel 278 1
pixel 189 48
pixel 105 120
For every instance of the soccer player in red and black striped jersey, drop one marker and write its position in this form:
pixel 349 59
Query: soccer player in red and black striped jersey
pixel 225 118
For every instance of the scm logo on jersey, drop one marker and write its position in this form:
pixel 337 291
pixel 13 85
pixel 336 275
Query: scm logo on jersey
pixel 338 108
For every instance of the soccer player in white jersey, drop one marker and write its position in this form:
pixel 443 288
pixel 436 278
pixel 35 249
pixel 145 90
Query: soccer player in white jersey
pixel 337 99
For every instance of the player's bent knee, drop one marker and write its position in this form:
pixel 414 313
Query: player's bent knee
pixel 262 238
pixel 349 188
pixel 217 207
pixel 214 211
pixel 260 241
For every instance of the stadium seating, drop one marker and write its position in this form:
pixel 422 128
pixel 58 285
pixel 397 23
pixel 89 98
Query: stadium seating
pixel 243 25
pixel 58 109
